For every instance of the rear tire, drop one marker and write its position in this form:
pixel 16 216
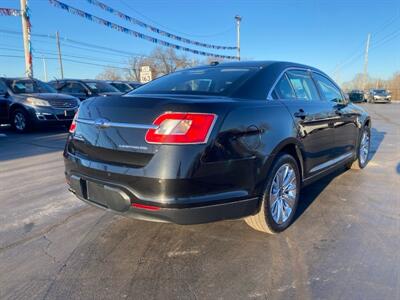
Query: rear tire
pixel 362 151
pixel 20 121
pixel 280 198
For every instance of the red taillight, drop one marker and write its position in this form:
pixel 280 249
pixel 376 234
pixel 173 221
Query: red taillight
pixel 73 124
pixel 181 128
pixel 146 207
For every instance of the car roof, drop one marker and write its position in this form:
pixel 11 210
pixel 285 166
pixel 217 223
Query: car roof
pixel 258 64
pixel 81 80
pixel 18 78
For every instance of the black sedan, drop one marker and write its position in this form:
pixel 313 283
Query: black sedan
pixel 26 103
pixel 225 141
pixel 84 88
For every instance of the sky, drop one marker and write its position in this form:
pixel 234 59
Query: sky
pixel 330 35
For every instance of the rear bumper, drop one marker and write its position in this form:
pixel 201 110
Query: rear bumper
pixel 120 199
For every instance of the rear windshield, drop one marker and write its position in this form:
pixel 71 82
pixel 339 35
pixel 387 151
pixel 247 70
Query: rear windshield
pixel 356 96
pixel 101 87
pixel 28 86
pixel 204 81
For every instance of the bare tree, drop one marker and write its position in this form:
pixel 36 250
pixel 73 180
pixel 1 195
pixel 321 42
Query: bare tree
pixel 392 84
pixel 110 73
pixel 161 61
pixel 134 65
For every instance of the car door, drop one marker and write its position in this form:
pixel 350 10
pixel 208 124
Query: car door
pixel 4 103
pixel 75 89
pixel 345 124
pixel 312 117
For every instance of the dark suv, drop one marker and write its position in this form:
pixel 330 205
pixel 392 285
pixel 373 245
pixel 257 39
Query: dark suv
pixel 84 89
pixel 26 102
pixel 226 141
pixel 356 96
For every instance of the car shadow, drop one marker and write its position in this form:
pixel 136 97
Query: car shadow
pixel 15 145
pixel 312 191
pixel 376 141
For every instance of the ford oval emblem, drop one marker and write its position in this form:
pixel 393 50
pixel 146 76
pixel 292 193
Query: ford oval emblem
pixel 102 123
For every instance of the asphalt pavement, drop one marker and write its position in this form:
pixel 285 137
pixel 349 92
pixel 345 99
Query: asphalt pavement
pixel 344 243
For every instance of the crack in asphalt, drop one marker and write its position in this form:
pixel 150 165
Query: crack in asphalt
pixel 43 232
pixel 45 250
pixel 71 254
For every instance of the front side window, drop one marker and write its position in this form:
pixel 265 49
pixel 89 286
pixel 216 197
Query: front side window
pixel 201 81
pixel 303 85
pixel 328 90
pixel 283 89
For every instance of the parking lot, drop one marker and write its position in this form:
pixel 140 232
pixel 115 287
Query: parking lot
pixel 344 243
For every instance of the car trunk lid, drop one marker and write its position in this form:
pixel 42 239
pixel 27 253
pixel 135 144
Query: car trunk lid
pixel 113 129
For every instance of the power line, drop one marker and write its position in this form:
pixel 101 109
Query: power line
pixel 228 29
pixel 71 60
pixel 72 41
pixel 360 49
pixel 132 33
pixel 149 27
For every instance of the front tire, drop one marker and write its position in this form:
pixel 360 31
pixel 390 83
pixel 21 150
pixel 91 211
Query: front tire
pixel 362 150
pixel 20 121
pixel 280 198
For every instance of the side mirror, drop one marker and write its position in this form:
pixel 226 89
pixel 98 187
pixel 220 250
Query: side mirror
pixel 346 98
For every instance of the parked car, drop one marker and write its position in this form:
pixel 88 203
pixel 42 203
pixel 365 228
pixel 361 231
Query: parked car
pixel 84 89
pixel 225 141
pixel 124 86
pixel 379 95
pixel 26 103
pixel 356 96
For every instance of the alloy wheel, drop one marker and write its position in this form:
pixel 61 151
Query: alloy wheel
pixel 364 147
pixel 283 193
pixel 20 121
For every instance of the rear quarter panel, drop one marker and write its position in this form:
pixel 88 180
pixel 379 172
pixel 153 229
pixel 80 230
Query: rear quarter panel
pixel 253 132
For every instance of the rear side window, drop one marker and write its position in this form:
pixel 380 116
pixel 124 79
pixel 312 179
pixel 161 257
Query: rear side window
pixel 303 85
pixel 201 81
pixel 329 91
pixel 283 89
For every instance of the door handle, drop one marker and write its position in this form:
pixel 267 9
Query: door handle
pixel 300 114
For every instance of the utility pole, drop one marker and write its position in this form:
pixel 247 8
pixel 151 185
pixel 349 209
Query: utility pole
pixel 26 31
pixel 44 68
pixel 238 19
pixel 59 54
pixel 366 61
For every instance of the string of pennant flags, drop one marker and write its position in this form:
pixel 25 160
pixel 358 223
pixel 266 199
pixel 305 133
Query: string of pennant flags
pixel 155 29
pixel 131 32
pixel 11 12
